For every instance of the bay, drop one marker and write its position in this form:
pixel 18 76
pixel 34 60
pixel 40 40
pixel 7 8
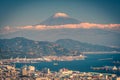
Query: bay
pixel 92 60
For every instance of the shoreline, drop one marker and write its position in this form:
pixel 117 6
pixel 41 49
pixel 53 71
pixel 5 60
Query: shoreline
pixel 101 52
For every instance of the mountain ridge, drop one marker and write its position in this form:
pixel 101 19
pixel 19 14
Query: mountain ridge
pixel 21 47
pixel 83 47
pixel 24 47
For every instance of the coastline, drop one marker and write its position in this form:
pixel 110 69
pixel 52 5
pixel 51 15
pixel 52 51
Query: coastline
pixel 98 52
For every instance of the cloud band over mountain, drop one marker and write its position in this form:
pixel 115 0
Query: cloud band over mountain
pixel 84 25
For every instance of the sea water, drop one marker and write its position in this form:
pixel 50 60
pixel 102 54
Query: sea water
pixel 92 60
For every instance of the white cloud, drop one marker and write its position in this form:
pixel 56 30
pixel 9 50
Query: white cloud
pixel 85 25
pixel 25 27
pixel 7 30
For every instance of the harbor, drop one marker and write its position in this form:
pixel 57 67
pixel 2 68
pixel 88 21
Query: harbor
pixel 43 59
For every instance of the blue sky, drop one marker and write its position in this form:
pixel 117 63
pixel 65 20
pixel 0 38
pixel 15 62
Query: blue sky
pixel 30 12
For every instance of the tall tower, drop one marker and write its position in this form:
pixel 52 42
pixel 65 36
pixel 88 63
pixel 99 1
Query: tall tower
pixel 24 70
pixel 46 70
pixel 31 68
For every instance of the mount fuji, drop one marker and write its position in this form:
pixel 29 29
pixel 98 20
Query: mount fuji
pixel 60 19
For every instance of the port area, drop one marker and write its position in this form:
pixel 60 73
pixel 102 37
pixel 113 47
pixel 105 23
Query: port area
pixel 116 62
pixel 8 72
pixel 41 59
pixel 112 69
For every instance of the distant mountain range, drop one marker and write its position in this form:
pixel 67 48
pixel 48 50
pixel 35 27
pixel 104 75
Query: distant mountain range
pixel 83 47
pixel 21 47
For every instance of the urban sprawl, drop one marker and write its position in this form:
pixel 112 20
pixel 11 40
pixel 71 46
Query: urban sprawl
pixel 27 72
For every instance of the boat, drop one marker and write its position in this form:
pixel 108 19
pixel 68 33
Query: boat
pixel 55 64
pixel 105 59
pixel 116 62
